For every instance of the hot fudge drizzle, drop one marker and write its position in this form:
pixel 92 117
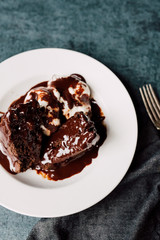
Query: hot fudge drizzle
pixel 70 168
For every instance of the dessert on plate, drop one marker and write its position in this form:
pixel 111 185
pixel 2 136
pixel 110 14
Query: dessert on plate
pixel 54 127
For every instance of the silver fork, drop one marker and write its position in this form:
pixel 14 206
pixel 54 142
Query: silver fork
pixel 151 104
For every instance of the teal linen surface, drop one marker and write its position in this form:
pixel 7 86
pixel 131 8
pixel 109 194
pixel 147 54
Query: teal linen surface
pixel 125 36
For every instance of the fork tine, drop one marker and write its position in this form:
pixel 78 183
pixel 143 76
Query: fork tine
pixel 146 104
pixel 147 96
pixel 157 104
pixel 153 104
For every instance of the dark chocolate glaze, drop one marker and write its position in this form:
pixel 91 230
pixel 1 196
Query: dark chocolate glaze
pixel 72 139
pixel 17 101
pixel 21 99
pixel 47 96
pixel 97 118
pixel 41 84
pixel 76 166
pixel 63 84
pixel 1 114
pixel 78 77
pixel 73 167
pixel 70 168
pixel 5 163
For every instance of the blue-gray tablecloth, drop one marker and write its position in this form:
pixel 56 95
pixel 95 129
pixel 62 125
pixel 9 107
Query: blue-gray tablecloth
pixel 125 36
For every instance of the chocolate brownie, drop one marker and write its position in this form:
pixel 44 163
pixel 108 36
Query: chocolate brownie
pixel 21 136
pixel 74 138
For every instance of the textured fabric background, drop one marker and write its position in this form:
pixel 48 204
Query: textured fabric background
pixel 125 36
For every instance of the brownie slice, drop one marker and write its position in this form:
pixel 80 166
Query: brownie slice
pixel 21 135
pixel 74 138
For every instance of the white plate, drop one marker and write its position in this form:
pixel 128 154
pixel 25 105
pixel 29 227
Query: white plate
pixel 30 194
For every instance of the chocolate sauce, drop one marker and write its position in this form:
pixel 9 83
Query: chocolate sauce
pixel 1 114
pixel 76 166
pixel 78 77
pixel 41 84
pixel 97 118
pixel 72 168
pixel 63 85
pixel 5 163
pixel 21 99
pixel 17 101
